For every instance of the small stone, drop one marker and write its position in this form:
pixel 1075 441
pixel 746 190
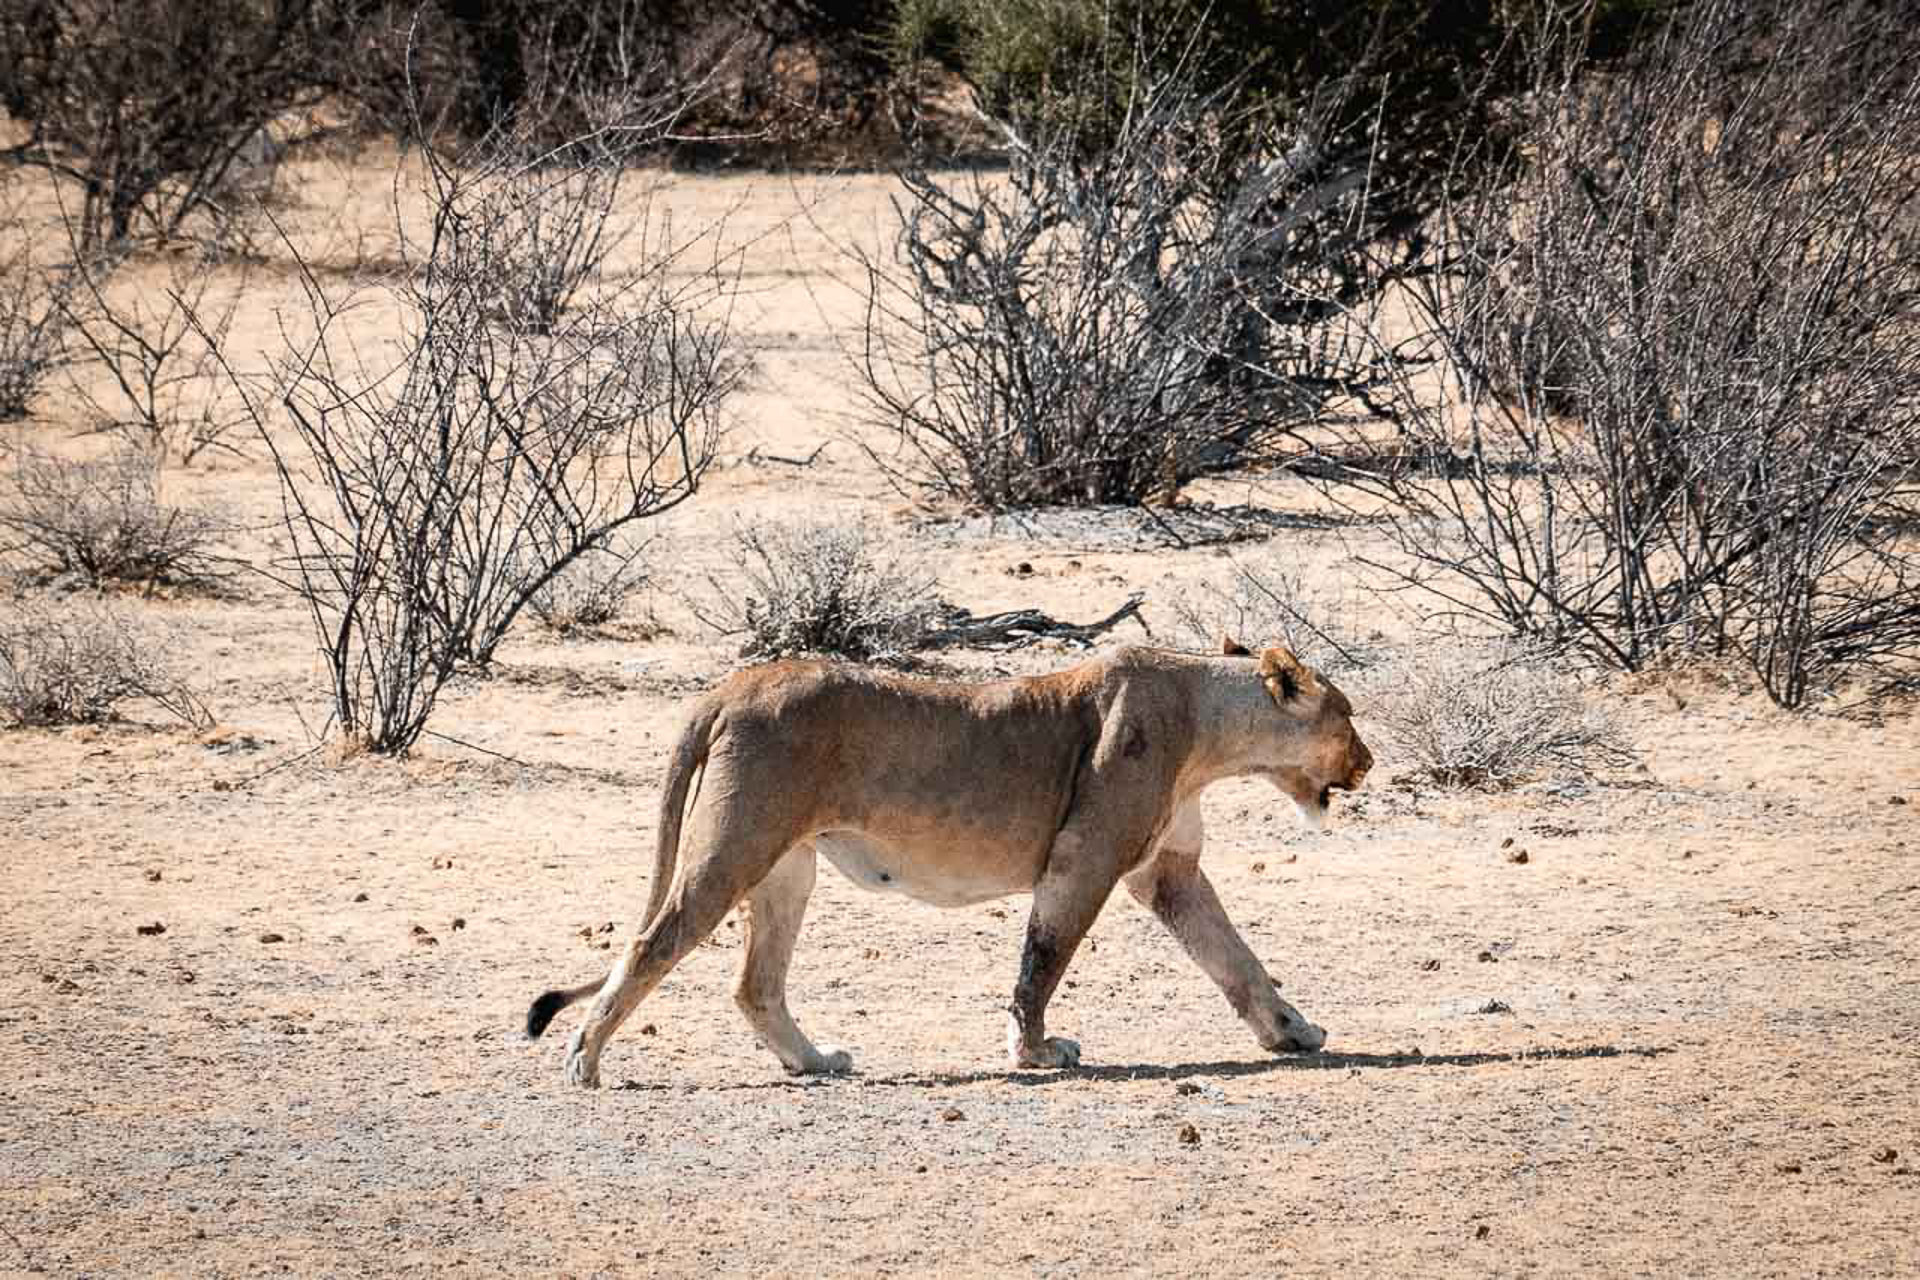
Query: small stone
pixel 427 940
pixel 1482 1231
pixel 953 1113
pixel 459 922
pixel 1430 966
pixel 649 1030
pixel 1258 867
pixel 271 938
pixel 443 864
pixel 359 897
pixel 608 927
pixel 153 877
pixel 419 931
pixel 1507 843
pixel 1896 800
pixel 1487 957
pixel 1495 1006
pixel 1518 856
pixel 1791 1166
pixel 1189 1136
pixel 1186 1088
pixel 153 930
pixel 1886 1155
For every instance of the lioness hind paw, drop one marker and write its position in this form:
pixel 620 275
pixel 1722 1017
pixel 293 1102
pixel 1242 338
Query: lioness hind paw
pixel 582 1070
pixel 828 1061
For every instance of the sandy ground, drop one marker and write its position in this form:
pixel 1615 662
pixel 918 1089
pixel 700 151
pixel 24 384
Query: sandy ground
pixel 1710 1062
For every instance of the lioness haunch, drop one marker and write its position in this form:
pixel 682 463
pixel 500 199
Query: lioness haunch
pixel 1059 785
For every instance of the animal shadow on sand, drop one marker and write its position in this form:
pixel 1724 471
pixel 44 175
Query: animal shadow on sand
pixel 1187 1070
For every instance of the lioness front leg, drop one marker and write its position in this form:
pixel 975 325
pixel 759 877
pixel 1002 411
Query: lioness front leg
pixel 1179 893
pixel 1064 908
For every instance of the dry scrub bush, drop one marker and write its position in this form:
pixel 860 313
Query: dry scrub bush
pixel 1134 304
pixel 820 589
pixel 35 318
pixel 150 111
pixel 431 492
pixel 159 349
pixel 1688 331
pixel 101 519
pixel 590 592
pixel 1263 598
pixel 1490 716
pixel 76 664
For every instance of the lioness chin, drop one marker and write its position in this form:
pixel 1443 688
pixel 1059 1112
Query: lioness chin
pixel 1060 786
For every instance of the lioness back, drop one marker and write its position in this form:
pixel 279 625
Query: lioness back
pixel 900 757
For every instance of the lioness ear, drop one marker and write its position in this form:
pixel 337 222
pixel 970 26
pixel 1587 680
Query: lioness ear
pixel 1284 673
pixel 1231 648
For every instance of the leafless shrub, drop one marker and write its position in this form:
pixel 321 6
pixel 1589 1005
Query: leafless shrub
pixel 590 592
pixel 78 663
pixel 430 497
pixel 820 589
pixel 146 108
pixel 547 193
pixel 1108 322
pixel 160 357
pixel 1490 716
pixel 102 520
pixel 1697 302
pixel 1266 597
pixel 35 318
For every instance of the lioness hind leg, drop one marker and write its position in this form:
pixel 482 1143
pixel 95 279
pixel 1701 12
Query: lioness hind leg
pixel 1179 893
pixel 702 894
pixel 775 908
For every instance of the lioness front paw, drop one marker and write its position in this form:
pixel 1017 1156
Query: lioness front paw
pixel 582 1069
pixel 1051 1052
pixel 1300 1037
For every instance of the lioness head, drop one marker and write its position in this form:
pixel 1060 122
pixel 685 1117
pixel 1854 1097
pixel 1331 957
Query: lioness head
pixel 1324 754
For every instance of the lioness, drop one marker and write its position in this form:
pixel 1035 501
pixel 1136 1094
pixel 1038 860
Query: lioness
pixel 1058 785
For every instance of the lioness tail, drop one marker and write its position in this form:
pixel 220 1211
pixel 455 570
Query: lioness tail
pixel 541 1011
pixel 689 754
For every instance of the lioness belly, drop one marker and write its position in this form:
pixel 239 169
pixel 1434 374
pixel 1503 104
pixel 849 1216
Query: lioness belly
pixel 930 876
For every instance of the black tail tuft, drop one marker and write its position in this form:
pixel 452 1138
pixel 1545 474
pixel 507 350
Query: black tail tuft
pixel 541 1012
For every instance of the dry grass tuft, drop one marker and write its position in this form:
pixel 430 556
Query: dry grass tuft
pixel 1490 716
pixel 102 520
pixel 77 663
pixel 820 589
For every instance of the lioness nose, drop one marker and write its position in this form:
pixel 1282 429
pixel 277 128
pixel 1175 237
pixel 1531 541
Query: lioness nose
pixel 1362 761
